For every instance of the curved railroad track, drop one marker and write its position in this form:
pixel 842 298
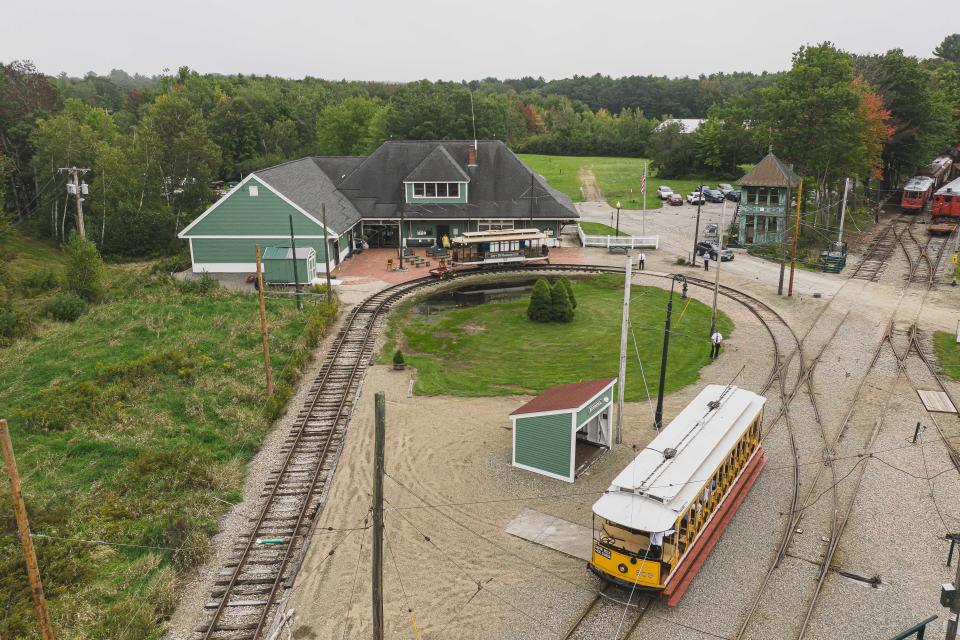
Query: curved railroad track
pixel 250 586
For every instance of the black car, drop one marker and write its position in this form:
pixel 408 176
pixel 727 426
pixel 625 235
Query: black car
pixel 712 248
pixel 712 195
pixel 733 196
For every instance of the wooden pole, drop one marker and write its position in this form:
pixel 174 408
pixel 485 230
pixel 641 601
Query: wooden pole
pixel 380 410
pixel 326 251
pixel 783 243
pixel 296 278
pixel 263 325
pixel 23 527
pixel 796 234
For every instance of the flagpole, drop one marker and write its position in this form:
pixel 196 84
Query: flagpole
pixel 643 218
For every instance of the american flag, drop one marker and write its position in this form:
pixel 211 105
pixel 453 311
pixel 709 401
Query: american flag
pixel 643 179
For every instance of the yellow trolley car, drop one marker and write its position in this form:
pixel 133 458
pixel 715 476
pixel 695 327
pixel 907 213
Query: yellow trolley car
pixel 661 516
pixel 500 247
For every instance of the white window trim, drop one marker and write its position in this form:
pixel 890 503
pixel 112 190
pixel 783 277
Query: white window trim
pixel 460 189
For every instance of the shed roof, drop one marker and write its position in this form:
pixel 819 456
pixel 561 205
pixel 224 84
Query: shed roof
pixel 285 253
pixel 565 397
pixel 770 172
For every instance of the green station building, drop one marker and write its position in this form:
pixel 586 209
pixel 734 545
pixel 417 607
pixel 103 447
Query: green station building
pixel 417 191
pixel 763 210
pixel 564 429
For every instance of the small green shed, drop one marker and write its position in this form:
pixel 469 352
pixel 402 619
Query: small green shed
pixel 564 429
pixel 278 265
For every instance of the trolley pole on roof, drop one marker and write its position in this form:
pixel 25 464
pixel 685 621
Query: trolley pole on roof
pixel 624 325
pixel 296 279
pixel 380 410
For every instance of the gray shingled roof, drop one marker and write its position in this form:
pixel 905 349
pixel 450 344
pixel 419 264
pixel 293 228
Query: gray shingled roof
pixel 307 185
pixel 438 166
pixel 770 172
pixel 501 185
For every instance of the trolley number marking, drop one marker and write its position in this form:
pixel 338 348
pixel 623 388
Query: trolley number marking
pixel 603 551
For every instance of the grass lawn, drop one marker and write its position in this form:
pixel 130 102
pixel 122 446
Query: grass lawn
pixel 493 349
pixel 133 425
pixel 619 178
pixel 599 229
pixel 948 353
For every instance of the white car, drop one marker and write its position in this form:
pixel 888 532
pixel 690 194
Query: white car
pixel 696 197
pixel 725 188
pixel 664 192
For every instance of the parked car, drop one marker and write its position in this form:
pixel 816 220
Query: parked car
pixel 733 196
pixel 713 195
pixel 695 197
pixel 675 200
pixel 712 249
pixel 725 188
pixel 664 192
pixel 710 230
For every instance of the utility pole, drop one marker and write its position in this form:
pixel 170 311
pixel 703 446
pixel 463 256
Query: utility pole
pixel 624 327
pixel 326 251
pixel 658 416
pixel 23 527
pixel 716 283
pixel 643 218
pixel 380 410
pixel 783 243
pixel 78 190
pixel 696 229
pixel 843 207
pixel 263 325
pixel 296 278
pixel 796 232
pixel 400 268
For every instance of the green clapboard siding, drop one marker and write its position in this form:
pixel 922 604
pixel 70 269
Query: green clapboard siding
pixel 265 214
pixel 543 442
pixel 595 406
pixel 240 250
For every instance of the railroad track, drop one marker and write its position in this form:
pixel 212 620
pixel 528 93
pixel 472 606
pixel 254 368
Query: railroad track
pixel 874 260
pixel 608 617
pixel 266 558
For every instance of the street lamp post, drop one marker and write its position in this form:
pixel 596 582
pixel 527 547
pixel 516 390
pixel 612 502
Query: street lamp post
pixel 618 217
pixel 658 417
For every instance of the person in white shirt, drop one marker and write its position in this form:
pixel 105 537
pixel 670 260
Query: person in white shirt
pixel 715 341
pixel 641 259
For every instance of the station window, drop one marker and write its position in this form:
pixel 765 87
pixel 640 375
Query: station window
pixel 436 189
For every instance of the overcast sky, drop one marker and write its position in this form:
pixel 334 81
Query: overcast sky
pixel 412 39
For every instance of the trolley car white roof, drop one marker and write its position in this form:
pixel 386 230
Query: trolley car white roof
pixel 651 492
pixel 918 183
pixel 499 235
pixel 950 187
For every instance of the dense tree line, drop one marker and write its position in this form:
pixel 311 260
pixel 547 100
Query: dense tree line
pixel 157 146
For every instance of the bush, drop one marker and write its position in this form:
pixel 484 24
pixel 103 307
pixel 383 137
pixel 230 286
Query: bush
pixel 43 280
pixel 84 268
pixel 561 310
pixel 398 357
pixel 203 285
pixel 13 323
pixel 65 307
pixel 172 264
pixel 569 287
pixel 540 302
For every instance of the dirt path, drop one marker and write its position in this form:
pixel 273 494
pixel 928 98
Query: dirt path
pixel 589 186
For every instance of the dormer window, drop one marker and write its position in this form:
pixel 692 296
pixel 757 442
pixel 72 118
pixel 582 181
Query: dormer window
pixel 436 189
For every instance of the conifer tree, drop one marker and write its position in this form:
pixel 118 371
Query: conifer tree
pixel 569 287
pixel 561 310
pixel 539 309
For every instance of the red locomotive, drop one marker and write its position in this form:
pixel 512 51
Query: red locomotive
pixel 945 209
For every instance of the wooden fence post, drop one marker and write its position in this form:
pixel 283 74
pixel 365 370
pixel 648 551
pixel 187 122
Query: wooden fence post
pixel 263 325
pixel 23 527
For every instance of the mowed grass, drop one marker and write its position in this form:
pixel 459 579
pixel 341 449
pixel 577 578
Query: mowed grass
pixel 598 229
pixel 133 425
pixel 619 178
pixel 948 353
pixel 493 349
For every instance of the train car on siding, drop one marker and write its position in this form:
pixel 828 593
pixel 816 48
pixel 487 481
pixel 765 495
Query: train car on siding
pixel 916 193
pixel 939 170
pixel 665 511
pixel 945 210
pixel 499 247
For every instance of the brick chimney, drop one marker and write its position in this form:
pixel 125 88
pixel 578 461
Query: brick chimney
pixel 472 155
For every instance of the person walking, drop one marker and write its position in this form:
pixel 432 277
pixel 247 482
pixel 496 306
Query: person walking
pixel 715 341
pixel 641 259
pixel 706 261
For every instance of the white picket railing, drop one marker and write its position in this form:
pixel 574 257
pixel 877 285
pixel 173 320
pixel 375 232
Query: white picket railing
pixel 630 242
